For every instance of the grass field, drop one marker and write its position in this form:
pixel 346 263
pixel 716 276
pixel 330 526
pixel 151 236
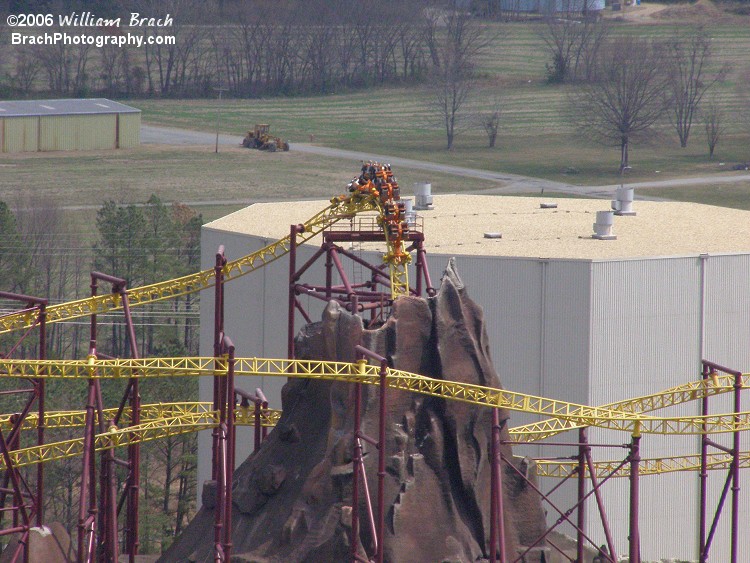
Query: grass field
pixel 536 138
pixel 725 195
pixel 214 184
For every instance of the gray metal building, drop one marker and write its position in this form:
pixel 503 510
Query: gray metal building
pixel 552 6
pixel 569 317
pixel 67 125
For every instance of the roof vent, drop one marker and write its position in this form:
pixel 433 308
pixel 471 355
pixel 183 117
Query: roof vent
pixel 623 202
pixel 493 235
pixel 548 205
pixel 422 195
pixel 409 214
pixel 603 226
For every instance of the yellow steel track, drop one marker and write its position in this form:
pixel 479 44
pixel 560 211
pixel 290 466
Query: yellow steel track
pixel 176 415
pixel 339 209
pixel 686 392
pixel 168 419
pixel 77 419
pixel 651 466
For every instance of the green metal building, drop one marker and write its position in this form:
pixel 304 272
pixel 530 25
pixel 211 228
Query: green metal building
pixel 68 125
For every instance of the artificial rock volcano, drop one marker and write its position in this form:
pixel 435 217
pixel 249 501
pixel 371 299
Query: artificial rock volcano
pixel 292 498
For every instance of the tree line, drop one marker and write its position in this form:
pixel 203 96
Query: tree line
pixel 41 255
pixel 252 48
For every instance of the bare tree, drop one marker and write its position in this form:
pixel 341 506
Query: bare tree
pixel 171 61
pixel 25 71
pixel 453 53
pixel 65 66
pixel 713 120
pixel 627 97
pixel 110 68
pixel 490 121
pixel 688 55
pixel 572 44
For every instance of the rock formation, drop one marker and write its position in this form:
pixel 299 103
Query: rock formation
pixel 292 499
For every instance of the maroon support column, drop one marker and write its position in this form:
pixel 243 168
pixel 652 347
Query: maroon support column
pixel 134 450
pixel 703 472
pixel 218 330
pixel 229 463
pixel 357 463
pixel 583 449
pixel 86 508
pixel 736 468
pixel 329 272
pixel 381 460
pixel 40 415
pixel 634 543
pixel 293 231
pixel 497 509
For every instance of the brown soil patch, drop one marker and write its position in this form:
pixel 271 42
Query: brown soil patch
pixel 702 11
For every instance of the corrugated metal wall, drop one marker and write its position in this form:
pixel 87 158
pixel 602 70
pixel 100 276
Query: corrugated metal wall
pixel 582 331
pixel 130 130
pixel 70 132
pixel 727 342
pixel 21 134
pixel 77 132
pixel 536 312
pixel 551 6
pixel 646 336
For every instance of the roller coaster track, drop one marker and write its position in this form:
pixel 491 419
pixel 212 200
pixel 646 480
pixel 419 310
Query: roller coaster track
pixel 339 209
pixel 243 416
pixel 716 385
pixel 367 194
pixel 161 420
pixel 578 415
pixel 650 466
pixel 374 190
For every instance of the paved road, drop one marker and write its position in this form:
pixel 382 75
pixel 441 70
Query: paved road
pixel 504 182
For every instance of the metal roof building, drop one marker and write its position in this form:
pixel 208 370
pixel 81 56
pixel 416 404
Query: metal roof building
pixel 568 317
pixel 67 125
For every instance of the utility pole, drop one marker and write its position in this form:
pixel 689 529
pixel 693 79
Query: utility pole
pixel 218 106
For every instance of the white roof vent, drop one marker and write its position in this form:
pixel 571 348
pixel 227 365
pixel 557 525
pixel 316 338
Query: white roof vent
pixel 409 214
pixel 603 226
pixel 422 195
pixel 623 202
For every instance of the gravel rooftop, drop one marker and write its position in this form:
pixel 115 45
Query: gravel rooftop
pixel 457 225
